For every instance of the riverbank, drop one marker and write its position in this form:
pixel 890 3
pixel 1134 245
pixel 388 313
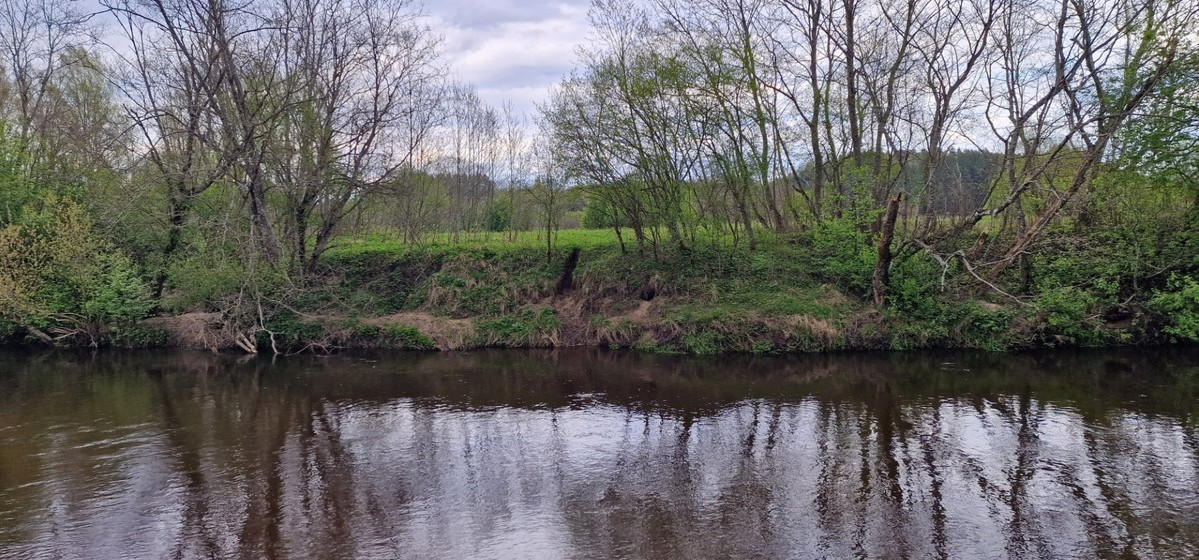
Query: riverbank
pixel 804 292
pixel 800 292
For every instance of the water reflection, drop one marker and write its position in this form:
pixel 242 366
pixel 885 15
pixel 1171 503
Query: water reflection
pixel 591 454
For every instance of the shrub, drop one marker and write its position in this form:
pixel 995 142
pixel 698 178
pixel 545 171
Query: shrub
pixel 985 329
pixel 840 254
pixel 529 326
pixel 57 275
pixel 289 332
pixel 1179 304
pixel 202 280
pixel 405 337
pixel 1066 313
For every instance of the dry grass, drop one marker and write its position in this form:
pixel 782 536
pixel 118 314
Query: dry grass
pixel 447 333
pixel 200 331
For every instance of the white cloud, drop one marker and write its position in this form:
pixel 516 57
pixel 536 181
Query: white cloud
pixel 510 50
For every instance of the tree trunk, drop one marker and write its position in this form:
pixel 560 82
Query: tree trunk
pixel 180 206
pixel 882 268
pixel 851 83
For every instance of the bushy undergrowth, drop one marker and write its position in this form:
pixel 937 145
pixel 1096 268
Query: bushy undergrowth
pixel 528 326
pixel 60 279
pixel 803 291
pixel 1179 304
pixel 404 337
pixel 798 292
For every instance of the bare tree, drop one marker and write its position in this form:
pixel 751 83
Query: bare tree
pixel 38 39
pixel 363 77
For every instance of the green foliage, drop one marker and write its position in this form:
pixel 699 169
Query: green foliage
pixel 839 253
pixel 138 335
pixel 1120 244
pixel 202 279
pixel 1179 304
pixel 17 190
pixel 705 342
pixel 288 331
pixel 499 215
pixel 1161 142
pixel 600 213
pixel 484 281
pixel 984 328
pixel 405 337
pixel 529 326
pixel 380 280
pixel 1067 314
pixel 921 315
pixel 113 293
pixel 58 275
pixel 915 288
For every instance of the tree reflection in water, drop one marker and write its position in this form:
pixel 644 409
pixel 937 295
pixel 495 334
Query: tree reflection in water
pixel 595 454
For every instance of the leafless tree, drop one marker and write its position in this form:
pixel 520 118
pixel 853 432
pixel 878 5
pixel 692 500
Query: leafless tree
pixel 364 82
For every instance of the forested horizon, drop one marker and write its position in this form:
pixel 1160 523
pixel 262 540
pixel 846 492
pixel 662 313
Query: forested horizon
pixel 223 150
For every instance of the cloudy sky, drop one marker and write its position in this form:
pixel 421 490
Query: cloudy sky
pixel 510 49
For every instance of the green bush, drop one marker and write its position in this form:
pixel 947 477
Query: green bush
pixel 404 337
pixel 59 276
pixel 1179 304
pixel 202 280
pixel 839 253
pixel 117 294
pixel 1066 313
pixel 985 329
pixel 499 215
pixel 290 331
pixel 529 326
pixel 915 289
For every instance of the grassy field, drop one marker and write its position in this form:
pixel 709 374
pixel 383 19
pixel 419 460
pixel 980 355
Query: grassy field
pixel 567 239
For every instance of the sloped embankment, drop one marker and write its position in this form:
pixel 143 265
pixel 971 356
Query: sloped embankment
pixel 789 296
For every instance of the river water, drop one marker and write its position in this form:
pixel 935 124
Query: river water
pixel 595 454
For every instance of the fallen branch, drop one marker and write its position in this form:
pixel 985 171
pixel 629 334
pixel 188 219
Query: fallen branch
pixel 37 333
pixel 245 343
pixel 948 260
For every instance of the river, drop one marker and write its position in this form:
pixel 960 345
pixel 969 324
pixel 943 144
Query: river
pixel 587 453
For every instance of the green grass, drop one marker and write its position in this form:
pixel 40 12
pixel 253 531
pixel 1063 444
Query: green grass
pixel 505 242
pixel 493 242
pixel 799 291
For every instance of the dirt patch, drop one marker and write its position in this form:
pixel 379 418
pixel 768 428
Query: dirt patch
pixel 589 320
pixel 645 312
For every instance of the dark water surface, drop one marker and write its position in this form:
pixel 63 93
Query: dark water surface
pixel 592 454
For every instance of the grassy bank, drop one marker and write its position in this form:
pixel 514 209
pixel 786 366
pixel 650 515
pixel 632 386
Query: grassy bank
pixel 799 292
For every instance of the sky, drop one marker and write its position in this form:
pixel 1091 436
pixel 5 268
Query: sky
pixel 510 49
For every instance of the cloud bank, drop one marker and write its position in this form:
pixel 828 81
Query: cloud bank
pixel 510 49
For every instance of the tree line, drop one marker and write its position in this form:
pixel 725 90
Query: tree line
pixel 748 115
pixel 201 139
pixel 226 147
